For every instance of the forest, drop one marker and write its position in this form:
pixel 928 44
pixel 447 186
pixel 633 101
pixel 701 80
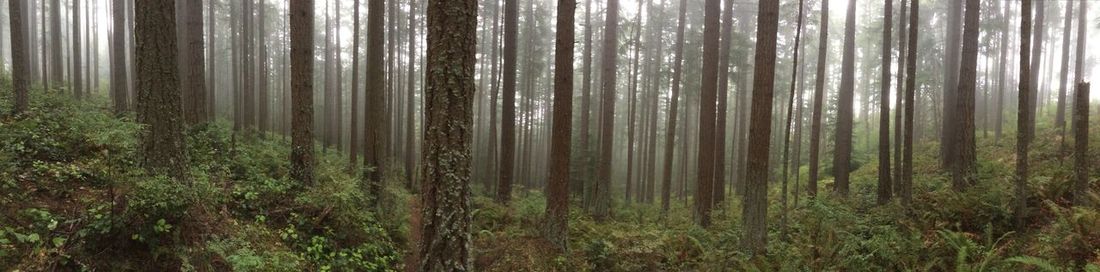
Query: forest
pixel 549 135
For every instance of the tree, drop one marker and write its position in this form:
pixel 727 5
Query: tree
pixel 75 71
pixel 607 116
pixel 884 182
pixel 448 110
pixel 301 102
pixel 1023 134
pixel 192 75
pixel 1081 142
pixel 965 166
pixel 354 137
pixel 211 93
pixel 755 210
pixel 819 97
pixel 375 135
pixel 158 94
pixel 906 182
pixel 1001 81
pixel 57 68
pixel 670 136
pixel 1060 115
pixel 948 122
pixel 508 113
pixel 410 119
pixel 263 118
pixel 707 114
pixel 843 154
pixel 1037 37
pixel 723 91
pixel 557 189
pixel 20 55
pixel 119 84
pixel 1082 26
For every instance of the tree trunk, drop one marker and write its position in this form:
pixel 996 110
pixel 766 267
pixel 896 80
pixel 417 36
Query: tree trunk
pixel 20 55
pixel 819 97
pixel 508 116
pixel 301 69
pixel 906 183
pixel 118 58
pixel 885 191
pixel 212 82
pixel 1023 135
pixel 353 146
pixel 57 69
pixel 1082 26
pixel 557 189
pixel 375 136
pixel 755 210
pixel 998 117
pixel 723 92
pixel 193 62
pixel 445 191
pixel 707 115
pixel 670 130
pixel 965 167
pixel 607 107
pixel 410 118
pixel 158 88
pixel 948 129
pixel 631 116
pixel 78 87
pixel 263 118
pixel 898 98
pixel 1036 67
pixel 1081 144
pixel 843 154
pixel 1060 115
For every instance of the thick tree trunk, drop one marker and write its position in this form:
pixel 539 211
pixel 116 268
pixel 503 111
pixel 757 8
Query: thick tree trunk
pixel 263 118
pixel 557 189
pixel 410 118
pixel 607 116
pixel 192 60
pixel 755 210
pixel 843 154
pixel 819 97
pixel 670 130
pixel 158 88
pixel 1081 144
pixel 965 167
pixel 78 83
pixel 707 115
pixel 20 55
pixel 885 190
pixel 1060 115
pixel 211 81
pixel 899 107
pixel 375 136
pixel 723 93
pixel 948 129
pixel 301 69
pixel 353 146
pixel 449 104
pixel 118 58
pixel 57 69
pixel 508 115
pixel 1023 120
pixel 998 115
pixel 906 182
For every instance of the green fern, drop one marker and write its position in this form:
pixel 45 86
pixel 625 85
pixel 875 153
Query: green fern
pixel 1042 264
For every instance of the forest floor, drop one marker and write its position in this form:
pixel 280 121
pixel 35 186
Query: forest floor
pixel 73 198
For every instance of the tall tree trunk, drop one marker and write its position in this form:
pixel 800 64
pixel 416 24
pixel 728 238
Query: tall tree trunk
pixel 353 151
pixel 449 103
pixel 998 117
pixel 212 79
pixel 948 129
pixel 755 210
pixel 301 69
pixel 723 92
pixel 57 69
pixel 1023 135
pixel 557 189
pixel 1060 115
pixel 118 58
pixel 906 182
pixel 263 118
pixel 607 108
pixel 375 135
pixel 1036 67
pixel 1082 26
pixel 631 116
pixel 885 191
pixel 819 97
pixel 508 116
pixel 965 167
pixel 78 84
pixel 410 119
pixel 670 130
pixel 707 115
pixel 20 55
pixel 193 62
pixel 790 118
pixel 158 88
pixel 898 97
pixel 1081 144
pixel 843 154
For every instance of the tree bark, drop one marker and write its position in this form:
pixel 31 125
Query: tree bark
pixel 508 113
pixel 78 84
pixel 557 189
pixel 707 115
pixel 376 131
pixel 965 167
pixel 906 183
pixel 118 58
pixel 1023 135
pixel 1081 144
pixel 1060 113
pixel 57 69
pixel 158 88
pixel 819 97
pixel 449 103
pixel 607 125
pixel 755 211
pixel 948 122
pixel 1037 37
pixel 301 69
pixel 843 154
pixel 885 190
pixel 353 146
pixel 20 54
pixel 670 130
pixel 790 118
pixel 410 118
